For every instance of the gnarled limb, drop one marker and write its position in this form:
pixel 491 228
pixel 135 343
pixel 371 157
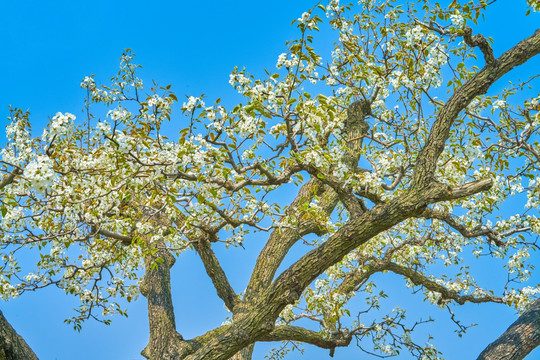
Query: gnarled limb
pixel 288 287
pixel 479 41
pixel 451 221
pixel 281 240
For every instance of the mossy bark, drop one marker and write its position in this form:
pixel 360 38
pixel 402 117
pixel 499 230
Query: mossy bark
pixel 266 296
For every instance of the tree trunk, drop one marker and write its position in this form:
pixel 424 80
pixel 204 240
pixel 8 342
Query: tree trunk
pixel 156 287
pixel 12 345
pixel 522 337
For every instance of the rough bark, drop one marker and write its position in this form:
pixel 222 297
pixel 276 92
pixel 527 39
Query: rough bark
pixel 281 241
pixel 165 342
pixel 12 345
pixel 427 159
pixel 254 317
pixel 522 337
pixel 244 354
pixel 425 190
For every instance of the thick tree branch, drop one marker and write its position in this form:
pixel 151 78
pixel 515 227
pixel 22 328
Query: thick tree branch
pixel 357 277
pixel 354 279
pixel 165 342
pixel 522 337
pixel 421 280
pixel 213 268
pixel 281 240
pixel 478 85
pixel 468 189
pixel 344 193
pixel 216 273
pixel 285 177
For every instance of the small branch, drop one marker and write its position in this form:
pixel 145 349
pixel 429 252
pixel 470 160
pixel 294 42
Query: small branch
pixel 492 235
pixel 433 27
pixel 421 280
pixel 9 178
pixel 126 240
pixel 396 181
pixel 354 279
pixel 296 333
pixel 345 193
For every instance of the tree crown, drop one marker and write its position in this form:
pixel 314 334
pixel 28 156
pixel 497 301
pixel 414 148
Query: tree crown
pixel 402 159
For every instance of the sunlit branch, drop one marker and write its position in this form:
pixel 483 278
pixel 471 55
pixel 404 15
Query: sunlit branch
pixel 126 240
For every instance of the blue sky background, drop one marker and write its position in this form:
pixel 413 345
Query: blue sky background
pixel 48 47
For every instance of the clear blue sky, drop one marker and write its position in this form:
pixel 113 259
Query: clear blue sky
pixel 49 46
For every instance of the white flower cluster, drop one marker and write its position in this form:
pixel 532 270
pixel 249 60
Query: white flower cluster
pixel 535 4
pixel 287 61
pixel 522 297
pixel 457 20
pixel 39 174
pixel 332 8
pixel 287 314
pixel 88 82
pixel 125 142
pixel 119 113
pixel 238 80
pixel 190 105
pixel 498 104
pixel 19 146
pixel 516 264
pixel 61 125
pixel 415 35
pixel 366 3
pixel 102 128
pixel 305 19
pixel 159 101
